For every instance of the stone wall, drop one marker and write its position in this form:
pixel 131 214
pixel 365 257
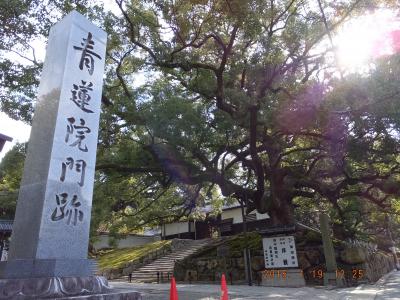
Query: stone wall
pixel 356 264
pixel 226 257
pixel 210 268
pixel 376 265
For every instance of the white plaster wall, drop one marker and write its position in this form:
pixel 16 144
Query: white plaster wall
pixel 175 228
pixel 4 255
pixel 235 213
pixel 262 216
pixel 129 241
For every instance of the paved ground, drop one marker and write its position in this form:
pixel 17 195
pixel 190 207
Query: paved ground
pixel 386 288
pixel 390 288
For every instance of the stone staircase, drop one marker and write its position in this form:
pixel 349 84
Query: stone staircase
pixel 94 266
pixel 165 265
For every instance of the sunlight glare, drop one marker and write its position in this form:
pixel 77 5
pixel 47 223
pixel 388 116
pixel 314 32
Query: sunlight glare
pixel 364 38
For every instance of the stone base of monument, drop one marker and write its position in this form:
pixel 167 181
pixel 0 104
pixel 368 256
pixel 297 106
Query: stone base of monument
pixel 36 268
pixel 90 287
pixel 283 278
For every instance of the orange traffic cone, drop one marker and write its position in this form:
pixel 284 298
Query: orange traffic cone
pixel 224 289
pixel 173 293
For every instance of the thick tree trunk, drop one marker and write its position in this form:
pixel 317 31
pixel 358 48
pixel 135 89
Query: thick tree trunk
pixel 282 212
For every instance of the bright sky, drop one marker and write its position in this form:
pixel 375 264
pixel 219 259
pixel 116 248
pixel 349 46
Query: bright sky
pixel 367 37
pixel 359 40
pixel 17 130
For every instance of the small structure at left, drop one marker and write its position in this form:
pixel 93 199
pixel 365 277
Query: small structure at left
pixel 5 233
pixel 3 139
pixel 5 225
pixel 48 256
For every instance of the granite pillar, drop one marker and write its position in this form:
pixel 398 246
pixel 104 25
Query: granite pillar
pixel 49 242
pixel 330 276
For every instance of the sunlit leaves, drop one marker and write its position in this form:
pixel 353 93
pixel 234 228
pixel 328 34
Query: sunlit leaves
pixel 10 177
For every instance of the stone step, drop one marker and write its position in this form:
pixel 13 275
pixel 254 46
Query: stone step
pixel 157 267
pixel 151 272
pixel 165 264
pixel 154 270
pixel 151 275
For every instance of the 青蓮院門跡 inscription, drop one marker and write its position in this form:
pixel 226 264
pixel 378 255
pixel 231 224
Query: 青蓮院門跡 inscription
pixel 52 220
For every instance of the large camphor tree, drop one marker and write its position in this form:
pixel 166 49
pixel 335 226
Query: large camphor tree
pixel 236 99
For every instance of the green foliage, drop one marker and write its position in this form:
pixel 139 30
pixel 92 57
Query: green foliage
pixel 23 23
pixel 117 258
pixel 251 240
pixel 312 237
pixel 11 168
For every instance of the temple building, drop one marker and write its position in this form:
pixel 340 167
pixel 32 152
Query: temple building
pixel 3 140
pixel 228 222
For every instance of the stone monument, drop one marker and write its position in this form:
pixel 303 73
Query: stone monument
pixel 331 274
pixel 49 242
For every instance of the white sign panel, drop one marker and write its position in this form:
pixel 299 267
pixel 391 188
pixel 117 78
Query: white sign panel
pixel 280 252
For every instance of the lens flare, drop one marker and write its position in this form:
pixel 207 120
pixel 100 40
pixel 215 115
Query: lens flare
pixel 364 38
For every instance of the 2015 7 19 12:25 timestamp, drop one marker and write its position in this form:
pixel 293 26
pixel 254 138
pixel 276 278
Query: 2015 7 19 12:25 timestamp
pixel 340 273
pixel 316 273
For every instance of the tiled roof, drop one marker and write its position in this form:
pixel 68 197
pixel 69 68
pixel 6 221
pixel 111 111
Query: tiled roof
pixel 6 225
pixel 5 137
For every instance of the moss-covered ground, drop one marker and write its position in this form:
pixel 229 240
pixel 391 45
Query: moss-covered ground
pixel 117 258
pixel 236 245
pixel 251 240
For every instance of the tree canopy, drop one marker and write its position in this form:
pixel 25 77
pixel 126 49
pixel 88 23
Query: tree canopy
pixel 211 100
